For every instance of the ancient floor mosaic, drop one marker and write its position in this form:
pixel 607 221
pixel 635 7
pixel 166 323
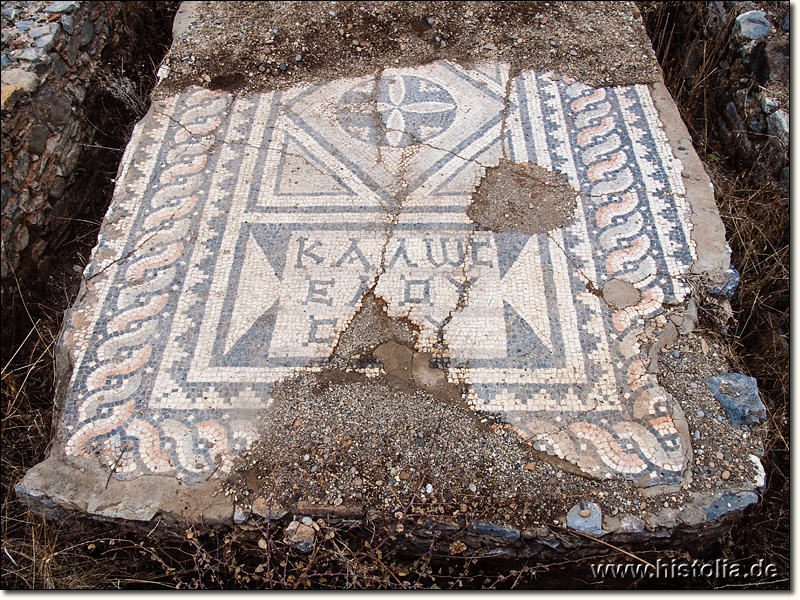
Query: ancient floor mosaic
pixel 245 230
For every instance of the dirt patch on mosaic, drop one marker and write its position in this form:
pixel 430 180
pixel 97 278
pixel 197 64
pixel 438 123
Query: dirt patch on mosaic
pixel 620 294
pixel 379 427
pixel 275 45
pixel 370 327
pixel 524 198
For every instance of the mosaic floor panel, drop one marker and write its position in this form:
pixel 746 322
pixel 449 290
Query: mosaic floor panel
pixel 245 231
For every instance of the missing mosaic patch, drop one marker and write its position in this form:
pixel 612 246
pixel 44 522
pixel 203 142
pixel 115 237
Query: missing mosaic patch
pixel 522 198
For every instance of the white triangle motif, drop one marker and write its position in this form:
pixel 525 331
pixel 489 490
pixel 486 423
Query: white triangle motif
pixel 303 175
pixel 523 289
pixel 257 291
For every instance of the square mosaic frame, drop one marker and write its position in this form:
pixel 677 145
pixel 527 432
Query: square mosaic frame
pixel 244 230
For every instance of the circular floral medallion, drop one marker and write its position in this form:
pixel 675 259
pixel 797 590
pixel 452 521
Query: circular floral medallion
pixel 405 111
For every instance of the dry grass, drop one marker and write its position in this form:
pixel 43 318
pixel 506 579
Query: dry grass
pixel 77 553
pixel 756 218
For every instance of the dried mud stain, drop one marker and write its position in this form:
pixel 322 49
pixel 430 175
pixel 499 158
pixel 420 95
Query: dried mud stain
pixel 523 198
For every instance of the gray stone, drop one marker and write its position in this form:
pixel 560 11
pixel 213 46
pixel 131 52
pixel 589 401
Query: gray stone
pixel 727 285
pixel 57 65
pixel 505 533
pixel 46 42
pixel 57 190
pixel 299 536
pixel 43 30
pixel 738 394
pixel 8 34
pixel 667 337
pixel 777 59
pixel 25 25
pixel 29 55
pixel 87 32
pixel 593 524
pixel 785 25
pixel 67 24
pixel 631 524
pixel 59 110
pixel 240 516
pixel 778 126
pixel 62 7
pixel 689 318
pixel 24 79
pixel 728 503
pixel 717 16
pixel 733 118
pixel 756 122
pixel 37 139
pixel 752 25
pixel 72 49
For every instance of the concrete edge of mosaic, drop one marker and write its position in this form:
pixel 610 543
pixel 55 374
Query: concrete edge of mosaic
pixel 60 484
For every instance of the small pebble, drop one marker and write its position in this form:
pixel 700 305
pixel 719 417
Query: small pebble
pixel 693 385
pixel 298 57
pixel 472 488
pixel 282 66
pixel 719 455
pixel 307 521
pixel 431 20
pixel 676 353
pixel 552 42
pixel 701 414
pixel 585 513
pixel 429 489
pixel 697 434
pixel 726 474
pixel 404 475
pixel 573 53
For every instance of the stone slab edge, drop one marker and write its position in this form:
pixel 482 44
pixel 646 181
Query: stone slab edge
pixel 186 15
pixel 708 231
